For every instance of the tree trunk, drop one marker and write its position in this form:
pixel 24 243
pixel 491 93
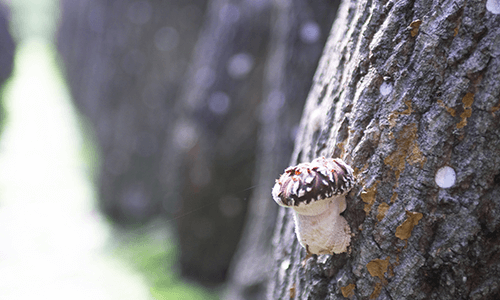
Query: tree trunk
pixel 298 35
pixel 6 54
pixel 211 153
pixel 125 62
pixel 408 94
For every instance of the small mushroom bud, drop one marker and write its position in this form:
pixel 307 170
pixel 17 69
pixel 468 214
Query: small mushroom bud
pixel 316 192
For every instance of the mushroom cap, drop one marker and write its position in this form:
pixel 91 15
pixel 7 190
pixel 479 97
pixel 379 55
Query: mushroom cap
pixel 309 182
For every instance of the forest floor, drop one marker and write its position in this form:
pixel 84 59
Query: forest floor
pixel 54 244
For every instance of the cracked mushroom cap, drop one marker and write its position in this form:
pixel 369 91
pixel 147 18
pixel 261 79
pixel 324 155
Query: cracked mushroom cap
pixel 309 182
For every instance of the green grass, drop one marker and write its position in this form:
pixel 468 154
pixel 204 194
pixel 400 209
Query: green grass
pixel 155 257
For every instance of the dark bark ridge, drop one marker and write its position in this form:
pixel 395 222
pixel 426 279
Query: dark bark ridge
pixel 403 89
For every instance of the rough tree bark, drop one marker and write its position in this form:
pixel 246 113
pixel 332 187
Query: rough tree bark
pixel 403 89
pixel 298 35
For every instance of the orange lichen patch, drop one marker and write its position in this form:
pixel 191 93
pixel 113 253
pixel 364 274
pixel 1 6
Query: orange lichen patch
pixel 450 110
pixel 394 197
pixel 392 118
pixel 416 156
pixel 466 114
pixel 368 196
pixel 382 209
pixel 292 291
pixel 414 27
pixel 397 161
pixel 455 31
pixel 407 149
pixel 378 267
pixel 495 108
pixel 340 150
pixel 467 100
pixel 376 290
pixel 404 230
pixel 348 291
pixel 407 111
pixel 390 271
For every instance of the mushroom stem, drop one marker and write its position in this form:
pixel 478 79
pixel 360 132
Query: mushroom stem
pixel 320 228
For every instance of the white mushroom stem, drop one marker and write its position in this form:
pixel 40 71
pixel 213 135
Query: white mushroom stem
pixel 320 228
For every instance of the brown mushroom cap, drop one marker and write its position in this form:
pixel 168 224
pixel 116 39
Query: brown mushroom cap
pixel 308 182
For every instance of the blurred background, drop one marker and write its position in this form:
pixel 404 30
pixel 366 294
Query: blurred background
pixel 139 140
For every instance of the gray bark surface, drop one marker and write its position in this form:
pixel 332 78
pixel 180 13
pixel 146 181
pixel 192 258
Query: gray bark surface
pixel 398 100
pixel 298 35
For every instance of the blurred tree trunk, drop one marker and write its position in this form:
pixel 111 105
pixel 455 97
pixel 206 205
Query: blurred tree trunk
pixel 211 155
pixel 125 61
pixel 7 48
pixel 173 137
pixel 7 45
pixel 298 35
pixel 404 89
